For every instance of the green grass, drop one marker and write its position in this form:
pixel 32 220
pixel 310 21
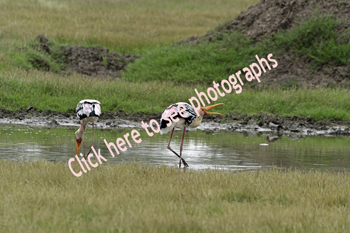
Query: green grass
pixel 32 57
pixel 42 196
pixel 317 39
pixel 203 63
pixel 46 90
pixel 62 93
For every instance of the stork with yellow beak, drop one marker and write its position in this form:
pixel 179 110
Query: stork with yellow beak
pixel 87 111
pixel 186 117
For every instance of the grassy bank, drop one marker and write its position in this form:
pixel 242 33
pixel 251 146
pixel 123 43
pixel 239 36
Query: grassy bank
pixel 43 196
pixel 51 91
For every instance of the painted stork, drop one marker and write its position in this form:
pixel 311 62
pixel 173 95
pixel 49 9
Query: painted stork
pixel 87 111
pixel 186 118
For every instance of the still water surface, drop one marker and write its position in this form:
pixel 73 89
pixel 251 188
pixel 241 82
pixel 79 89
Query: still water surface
pixel 202 149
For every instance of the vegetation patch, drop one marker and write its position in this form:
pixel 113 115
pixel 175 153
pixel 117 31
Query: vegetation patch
pixel 135 197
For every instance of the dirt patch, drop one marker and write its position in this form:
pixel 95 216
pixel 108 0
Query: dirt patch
pixel 295 71
pixel 272 16
pixel 92 61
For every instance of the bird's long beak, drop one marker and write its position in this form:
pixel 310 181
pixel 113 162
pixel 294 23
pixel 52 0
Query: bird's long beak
pixel 205 109
pixel 77 147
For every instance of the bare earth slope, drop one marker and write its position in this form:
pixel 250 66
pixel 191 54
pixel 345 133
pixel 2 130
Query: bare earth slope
pixel 271 16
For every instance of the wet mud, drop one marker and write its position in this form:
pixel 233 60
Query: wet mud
pixel 262 124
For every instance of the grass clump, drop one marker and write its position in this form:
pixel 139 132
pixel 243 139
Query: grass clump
pixel 202 63
pixel 139 198
pixel 320 104
pixel 317 38
pixel 33 56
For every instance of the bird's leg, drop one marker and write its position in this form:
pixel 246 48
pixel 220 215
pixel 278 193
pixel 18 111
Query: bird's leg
pixel 93 133
pixel 92 141
pixel 82 126
pixel 182 141
pixel 174 151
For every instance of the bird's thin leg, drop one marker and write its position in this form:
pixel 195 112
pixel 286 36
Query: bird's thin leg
pixel 182 141
pixel 82 126
pixel 174 151
pixel 93 133
pixel 85 156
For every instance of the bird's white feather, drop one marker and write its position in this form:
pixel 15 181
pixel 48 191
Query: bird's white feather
pixel 185 119
pixel 87 110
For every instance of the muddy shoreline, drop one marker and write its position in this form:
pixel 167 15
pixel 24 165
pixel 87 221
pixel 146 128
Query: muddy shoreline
pixel 264 124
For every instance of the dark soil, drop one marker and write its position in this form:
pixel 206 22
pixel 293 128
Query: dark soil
pixel 92 61
pixel 271 16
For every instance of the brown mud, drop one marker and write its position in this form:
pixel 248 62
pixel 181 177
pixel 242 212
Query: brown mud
pixel 258 123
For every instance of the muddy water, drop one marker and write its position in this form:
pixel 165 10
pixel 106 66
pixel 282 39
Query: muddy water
pixel 202 149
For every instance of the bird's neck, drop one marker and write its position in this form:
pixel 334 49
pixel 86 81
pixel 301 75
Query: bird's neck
pixel 197 121
pixel 79 132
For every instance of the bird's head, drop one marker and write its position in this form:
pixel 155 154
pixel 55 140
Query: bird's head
pixel 205 109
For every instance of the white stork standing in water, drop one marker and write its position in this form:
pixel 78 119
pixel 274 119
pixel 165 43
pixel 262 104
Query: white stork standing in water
pixel 189 119
pixel 87 111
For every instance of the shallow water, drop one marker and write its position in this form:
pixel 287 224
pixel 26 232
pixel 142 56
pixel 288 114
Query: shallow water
pixel 202 149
